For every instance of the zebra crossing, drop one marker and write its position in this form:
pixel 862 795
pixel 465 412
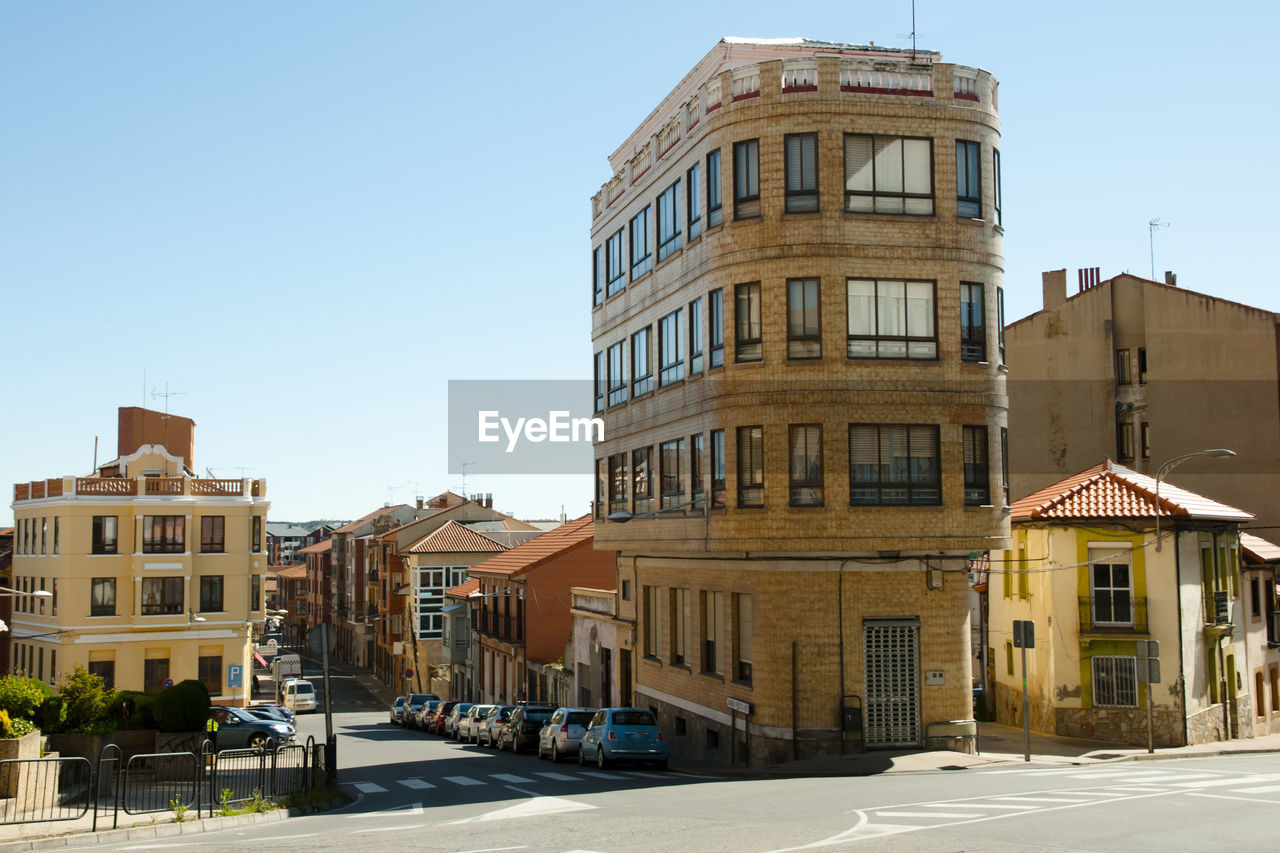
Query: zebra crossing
pixel 418 783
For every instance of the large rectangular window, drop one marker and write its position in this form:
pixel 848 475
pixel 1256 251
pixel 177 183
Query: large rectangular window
pixel 693 204
pixel 163 534
pixel 1000 321
pixel 155 672
pixel 968 180
pixel 995 176
pixel 255 592
pixel 695 337
pixel 1111 590
pixel 679 623
pixel 211 534
pixel 748 343
pixel 804 319
pixel 255 534
pixel 894 464
pixel 743 632
pixel 712 606
pixel 641 254
pixel 888 174
pixel 597 276
pixel 161 596
pixel 601 380
pixel 642 480
pixel 619 476
pixel 973 329
pixel 641 368
pixel 715 327
pixel 650 621
pixel 615 267
pixel 669 221
pixel 671 345
pixel 671 464
pixel 104 534
pixel 891 319
pixel 746 179
pixel 617 373
pixel 1115 681
pixel 751 466
pixel 806 465
pixel 715 197
pixel 209 671
pixel 102 597
pixel 802 172
pixel 1004 463
pixel 717 468
pixel 697 467
pixel 977 475
pixel 106 670
pixel 211 594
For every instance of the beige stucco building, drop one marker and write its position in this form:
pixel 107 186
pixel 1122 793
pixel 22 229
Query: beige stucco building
pixel 156 575
pixel 797 284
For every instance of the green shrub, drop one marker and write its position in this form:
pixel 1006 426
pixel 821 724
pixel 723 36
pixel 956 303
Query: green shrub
pixel 20 696
pixel 184 707
pixel 50 715
pixel 132 710
pixel 85 699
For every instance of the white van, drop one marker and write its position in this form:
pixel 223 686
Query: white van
pixel 299 695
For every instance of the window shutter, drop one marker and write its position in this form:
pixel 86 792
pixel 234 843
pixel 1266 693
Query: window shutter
pixel 857 164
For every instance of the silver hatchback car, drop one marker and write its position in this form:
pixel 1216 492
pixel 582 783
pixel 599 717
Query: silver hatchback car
pixel 562 733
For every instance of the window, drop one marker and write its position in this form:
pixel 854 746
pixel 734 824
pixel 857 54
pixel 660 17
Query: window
pixel 618 477
pixel 1000 320
pixel 679 600
pixel 716 328
pixel 1124 440
pixel 743 631
pixel 670 460
pixel 887 174
pixel 209 671
pixel 1142 370
pixel 641 258
pixel 163 534
pixel 748 345
pixel 977 476
pixel 44 534
pixel 715 199
pixel 751 466
pixel 597 276
pixel 104 534
pixel 669 221
pixel 650 622
pixel 695 337
pixel 211 541
pixel 1008 657
pixel 1111 599
pixel 617 374
pixel 746 179
pixel 671 346
pixel 255 592
pixel 155 672
pixel 615 271
pixel 102 597
pixel 641 369
pixel 692 203
pixel 1115 681
pixel 106 670
pixel 626 590
pixel 968 180
pixel 893 464
pixel 1144 439
pixel 806 465
pixel 602 479
pixel 161 596
pixel 1004 463
pixel 55 534
pixel 642 480
pixel 1124 375
pixel 804 326
pixel 711 605
pixel 211 594
pixel 995 179
pixel 696 449
pixel 891 319
pixel 802 172
pixel 717 468
pixel 973 330
pixel 601 381
pixel 255 537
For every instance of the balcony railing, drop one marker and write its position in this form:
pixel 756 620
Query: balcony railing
pixel 505 628
pixel 1099 614
pixel 96 487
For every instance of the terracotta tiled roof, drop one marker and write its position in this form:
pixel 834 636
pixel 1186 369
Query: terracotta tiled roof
pixel 1110 490
pixel 317 548
pixel 464 589
pixel 1259 549
pixel 529 554
pixel 353 526
pixel 289 572
pixel 454 538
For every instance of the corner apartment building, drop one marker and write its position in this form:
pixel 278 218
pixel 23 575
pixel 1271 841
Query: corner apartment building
pixel 156 575
pixel 797 271
pixel 1142 371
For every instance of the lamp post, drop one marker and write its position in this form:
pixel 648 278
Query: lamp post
pixel 1170 464
pixel 5 592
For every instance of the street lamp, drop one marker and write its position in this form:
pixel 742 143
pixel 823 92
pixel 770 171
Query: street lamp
pixel 5 592
pixel 1170 464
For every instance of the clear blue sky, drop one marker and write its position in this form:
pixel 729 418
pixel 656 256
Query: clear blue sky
pixel 308 216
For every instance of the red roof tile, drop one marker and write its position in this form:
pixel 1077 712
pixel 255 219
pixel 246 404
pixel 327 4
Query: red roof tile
pixel 464 589
pixel 454 538
pixel 1259 548
pixel 289 572
pixel 1110 490
pixel 529 554
pixel 353 526
pixel 317 548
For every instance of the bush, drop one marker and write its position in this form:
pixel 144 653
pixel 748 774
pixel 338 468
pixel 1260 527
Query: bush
pixel 49 715
pixel 184 707
pixel 84 705
pixel 20 696
pixel 132 710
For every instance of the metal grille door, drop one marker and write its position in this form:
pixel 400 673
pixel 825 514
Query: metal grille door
pixel 893 683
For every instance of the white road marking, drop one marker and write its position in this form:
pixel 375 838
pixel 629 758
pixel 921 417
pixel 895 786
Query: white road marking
pixel 1262 789
pixel 1213 783
pixel 397 811
pixel 974 806
pixel 369 788
pixel 496 849
pixel 535 807
pixel 924 814
pixel 462 780
pixel 416 784
pixel 1061 801
pixel 557 777
pixel 510 777
pixel 1237 799
pixel 388 829
pixel 596 774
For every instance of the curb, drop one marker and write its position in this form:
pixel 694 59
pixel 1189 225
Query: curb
pixel 147 832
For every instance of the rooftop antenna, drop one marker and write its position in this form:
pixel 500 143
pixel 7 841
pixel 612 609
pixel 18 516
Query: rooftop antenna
pixel 913 30
pixel 166 394
pixel 1152 227
pixel 391 494
pixel 464 477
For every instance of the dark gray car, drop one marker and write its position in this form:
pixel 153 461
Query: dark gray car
pixel 238 729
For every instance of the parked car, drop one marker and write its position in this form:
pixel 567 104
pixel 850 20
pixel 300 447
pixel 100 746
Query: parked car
pixel 397 709
pixel 428 707
pixel 562 733
pixel 299 695
pixel 435 722
pixel 488 728
pixel 622 734
pixel 521 730
pixel 267 712
pixel 467 721
pixel 450 726
pixel 412 705
pixel 279 709
pixel 238 729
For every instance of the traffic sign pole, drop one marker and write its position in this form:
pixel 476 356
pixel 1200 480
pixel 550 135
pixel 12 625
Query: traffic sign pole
pixel 1026 717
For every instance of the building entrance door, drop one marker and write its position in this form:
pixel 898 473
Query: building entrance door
pixel 891 652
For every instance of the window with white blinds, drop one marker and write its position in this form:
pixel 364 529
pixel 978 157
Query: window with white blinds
pixel 802 172
pixel 746 179
pixel 888 174
pixel 804 324
pixel 747 324
pixel 894 464
pixel 891 319
pixel 751 466
pixel 744 630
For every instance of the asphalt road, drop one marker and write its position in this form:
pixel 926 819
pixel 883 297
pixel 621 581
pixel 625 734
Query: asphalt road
pixel 419 792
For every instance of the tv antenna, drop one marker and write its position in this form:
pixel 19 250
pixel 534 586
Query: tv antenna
pixel 391 494
pixel 166 394
pixel 1152 227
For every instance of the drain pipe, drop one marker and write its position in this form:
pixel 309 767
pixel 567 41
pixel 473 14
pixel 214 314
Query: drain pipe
pixel 1177 587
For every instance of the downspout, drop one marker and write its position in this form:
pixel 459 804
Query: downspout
pixel 840 616
pixel 1177 587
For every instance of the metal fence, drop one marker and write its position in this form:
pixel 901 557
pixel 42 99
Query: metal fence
pixel 203 781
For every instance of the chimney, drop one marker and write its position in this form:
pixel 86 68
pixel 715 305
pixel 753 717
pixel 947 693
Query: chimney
pixel 1054 284
pixel 488 500
pixel 418 499
pixel 1171 278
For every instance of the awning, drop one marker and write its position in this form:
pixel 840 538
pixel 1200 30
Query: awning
pixel 262 662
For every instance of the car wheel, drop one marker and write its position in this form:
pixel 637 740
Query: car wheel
pixel 259 742
pixel 601 761
pixel 582 757
pixel 555 753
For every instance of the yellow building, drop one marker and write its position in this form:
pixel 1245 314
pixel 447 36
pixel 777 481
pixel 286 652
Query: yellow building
pixel 156 575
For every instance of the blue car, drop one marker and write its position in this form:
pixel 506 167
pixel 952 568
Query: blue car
pixel 622 734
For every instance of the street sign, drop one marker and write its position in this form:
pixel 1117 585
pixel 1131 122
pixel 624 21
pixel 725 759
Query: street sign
pixel 1024 634
pixel 322 639
pixel 738 705
pixel 408 673
pixel 235 675
pixel 168 682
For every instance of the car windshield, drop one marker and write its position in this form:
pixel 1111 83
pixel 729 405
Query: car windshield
pixel 418 698
pixel 580 718
pixel 633 718
pixel 400 701
pixel 537 716
pixel 303 688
